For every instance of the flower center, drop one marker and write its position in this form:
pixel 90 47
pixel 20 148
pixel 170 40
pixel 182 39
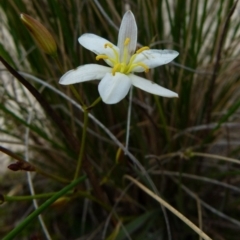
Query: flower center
pixel 125 66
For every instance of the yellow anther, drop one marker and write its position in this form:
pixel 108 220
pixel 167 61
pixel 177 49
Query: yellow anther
pixel 144 66
pixel 116 68
pixel 108 45
pixel 142 49
pixel 131 67
pixel 127 40
pixel 98 57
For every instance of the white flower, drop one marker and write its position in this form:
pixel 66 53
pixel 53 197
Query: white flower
pixel 117 79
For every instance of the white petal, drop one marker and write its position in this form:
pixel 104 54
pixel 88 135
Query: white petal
pixel 128 29
pixel 151 87
pixel 154 58
pixel 96 44
pixel 113 89
pixel 84 73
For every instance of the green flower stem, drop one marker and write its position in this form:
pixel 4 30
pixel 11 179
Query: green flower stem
pixel 44 206
pixel 84 133
pixel 26 198
pixel 78 194
pixel 94 103
pixel 76 95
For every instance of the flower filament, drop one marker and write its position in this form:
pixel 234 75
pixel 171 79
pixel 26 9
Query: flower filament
pixel 125 66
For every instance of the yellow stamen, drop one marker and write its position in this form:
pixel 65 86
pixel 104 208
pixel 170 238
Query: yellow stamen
pixel 142 49
pixel 98 57
pixel 114 50
pixel 132 59
pixel 126 41
pixel 116 68
pixel 126 64
pixel 130 69
pixel 125 55
pixel 108 45
pixel 144 66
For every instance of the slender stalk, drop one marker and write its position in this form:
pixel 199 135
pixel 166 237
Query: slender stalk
pixel 214 156
pixel 94 103
pixel 78 194
pixel 105 14
pixel 76 95
pixel 29 177
pixel 128 120
pixel 84 133
pixel 27 198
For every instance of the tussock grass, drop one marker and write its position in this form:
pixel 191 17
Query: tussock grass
pixel 182 151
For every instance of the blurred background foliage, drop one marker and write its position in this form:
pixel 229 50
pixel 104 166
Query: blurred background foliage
pixel 189 146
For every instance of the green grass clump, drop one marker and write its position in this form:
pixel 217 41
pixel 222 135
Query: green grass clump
pixel 184 151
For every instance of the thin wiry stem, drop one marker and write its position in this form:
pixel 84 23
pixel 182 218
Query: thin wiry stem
pixel 227 159
pixel 29 179
pixel 207 206
pixel 129 118
pixel 83 142
pixel 199 178
pixel 200 72
pixel 105 15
